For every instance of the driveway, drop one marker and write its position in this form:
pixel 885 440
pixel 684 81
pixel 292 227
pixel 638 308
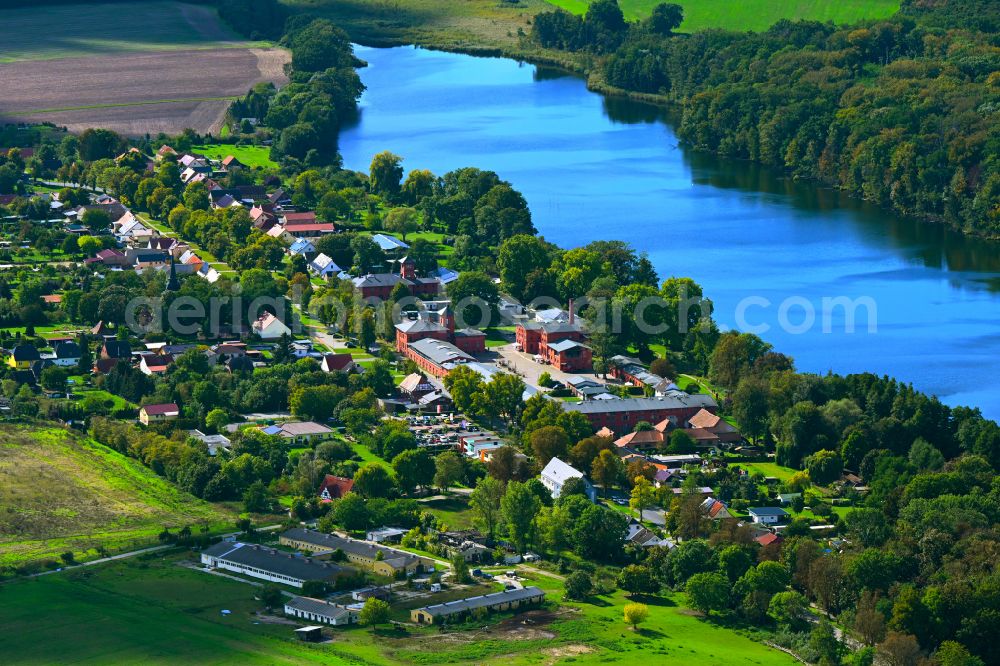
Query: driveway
pixel 523 364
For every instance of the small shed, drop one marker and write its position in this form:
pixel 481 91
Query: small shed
pixel 310 634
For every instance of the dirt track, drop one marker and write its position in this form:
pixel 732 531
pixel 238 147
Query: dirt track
pixel 137 94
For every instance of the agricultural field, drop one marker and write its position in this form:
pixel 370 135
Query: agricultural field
pixel 107 615
pixel 751 14
pixel 62 492
pixel 469 24
pixel 179 70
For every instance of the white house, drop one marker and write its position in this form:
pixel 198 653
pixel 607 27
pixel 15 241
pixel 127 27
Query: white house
pixel 323 266
pixel 269 327
pixel 215 443
pixel 767 515
pixel 302 246
pixel 557 473
pixel 207 272
pixel 317 610
pixel 267 563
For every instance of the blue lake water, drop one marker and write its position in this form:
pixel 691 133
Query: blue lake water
pixel 598 168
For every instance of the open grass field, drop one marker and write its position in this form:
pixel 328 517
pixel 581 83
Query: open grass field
pixel 61 492
pixel 458 24
pixel 151 610
pixel 252 156
pixel 150 67
pixel 751 14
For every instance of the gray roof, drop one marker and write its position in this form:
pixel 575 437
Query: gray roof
pixel 419 326
pixel 767 511
pixel 274 561
pixel 564 345
pixel 378 280
pixel 440 352
pixel 483 601
pixel 641 404
pixel 353 546
pixel 317 607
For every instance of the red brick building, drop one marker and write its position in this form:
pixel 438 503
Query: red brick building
pixel 380 285
pixel 436 357
pixel 439 325
pixel 622 415
pixel 560 345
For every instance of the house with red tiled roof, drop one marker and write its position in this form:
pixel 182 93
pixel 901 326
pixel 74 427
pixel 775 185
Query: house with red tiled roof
pixel 715 509
pixel 642 440
pixel 338 363
pixel 158 413
pixel 769 538
pixel 155 364
pixel 334 487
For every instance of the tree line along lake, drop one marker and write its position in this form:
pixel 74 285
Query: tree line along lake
pixel 594 168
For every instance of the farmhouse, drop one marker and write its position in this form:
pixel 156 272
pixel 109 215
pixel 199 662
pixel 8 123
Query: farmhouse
pixel 268 563
pixel 158 413
pixel 380 559
pixel 498 601
pixel 317 610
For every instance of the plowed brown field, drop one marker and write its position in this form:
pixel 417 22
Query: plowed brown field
pixel 134 87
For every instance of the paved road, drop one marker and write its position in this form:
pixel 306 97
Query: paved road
pixel 524 365
pixel 102 560
pixel 56 183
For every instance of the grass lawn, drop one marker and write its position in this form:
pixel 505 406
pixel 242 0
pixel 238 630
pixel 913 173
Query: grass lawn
pixel 133 28
pixel 151 610
pixel 103 498
pixel 453 511
pixel 769 469
pixel 368 456
pixel 252 156
pixel 596 633
pixel 752 14
pixel 469 23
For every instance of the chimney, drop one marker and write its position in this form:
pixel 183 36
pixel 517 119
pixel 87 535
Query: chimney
pixel 571 317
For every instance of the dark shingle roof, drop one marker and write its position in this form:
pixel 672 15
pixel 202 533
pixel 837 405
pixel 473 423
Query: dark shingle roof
pixel 352 546
pixel 484 601
pixel 274 561
pixel 25 353
pixel 641 404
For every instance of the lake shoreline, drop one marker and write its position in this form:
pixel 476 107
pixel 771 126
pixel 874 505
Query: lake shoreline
pixel 573 63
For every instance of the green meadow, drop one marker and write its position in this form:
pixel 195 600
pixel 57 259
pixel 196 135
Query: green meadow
pixel 152 610
pixel 94 29
pixel 62 492
pixel 252 156
pixel 752 14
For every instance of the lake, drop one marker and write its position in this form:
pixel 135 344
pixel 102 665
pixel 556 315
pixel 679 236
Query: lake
pixel 598 168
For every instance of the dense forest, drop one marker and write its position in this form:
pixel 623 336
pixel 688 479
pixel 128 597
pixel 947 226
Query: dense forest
pixel 903 112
